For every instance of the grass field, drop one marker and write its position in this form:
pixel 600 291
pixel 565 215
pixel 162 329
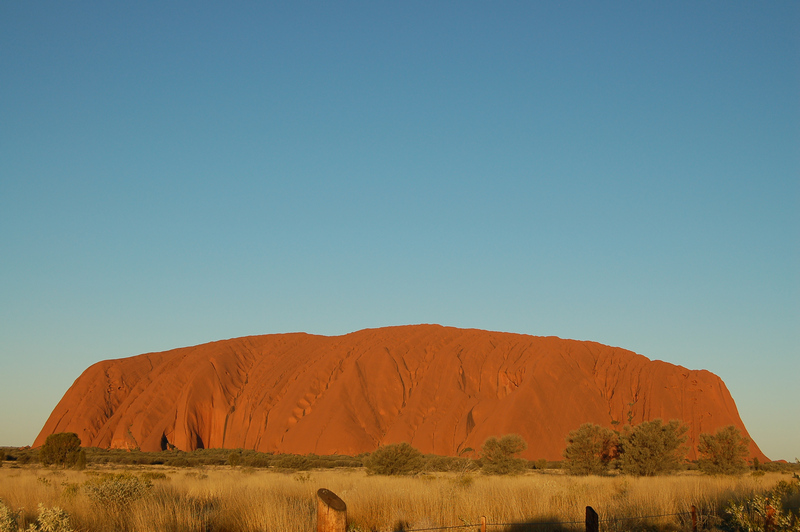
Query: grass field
pixel 242 500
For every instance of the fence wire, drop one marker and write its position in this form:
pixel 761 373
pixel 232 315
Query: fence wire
pixel 550 523
pixel 613 519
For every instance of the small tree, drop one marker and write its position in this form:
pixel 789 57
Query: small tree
pixel 590 449
pixel 60 449
pixel 396 459
pixel 723 453
pixel 652 448
pixel 499 456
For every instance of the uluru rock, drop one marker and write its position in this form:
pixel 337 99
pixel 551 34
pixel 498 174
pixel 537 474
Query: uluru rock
pixel 441 389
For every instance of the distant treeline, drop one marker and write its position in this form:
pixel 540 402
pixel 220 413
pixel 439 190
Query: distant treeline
pixel 13 456
pixel 242 458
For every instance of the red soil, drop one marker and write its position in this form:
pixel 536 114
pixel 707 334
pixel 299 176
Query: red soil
pixel 440 389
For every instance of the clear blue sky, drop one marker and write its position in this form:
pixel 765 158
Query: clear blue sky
pixel 627 173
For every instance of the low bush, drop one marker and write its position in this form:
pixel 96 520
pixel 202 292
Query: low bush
pixel 259 460
pixel 116 491
pixel 769 512
pixel 396 459
pixel 292 462
pixel 51 520
pixel 8 518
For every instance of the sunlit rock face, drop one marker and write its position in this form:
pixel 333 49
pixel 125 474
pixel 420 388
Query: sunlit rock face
pixel 441 389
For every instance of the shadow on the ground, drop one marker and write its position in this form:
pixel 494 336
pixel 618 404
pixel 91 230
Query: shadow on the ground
pixel 543 524
pixel 401 526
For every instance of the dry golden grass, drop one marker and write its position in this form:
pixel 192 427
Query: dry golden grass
pixel 240 500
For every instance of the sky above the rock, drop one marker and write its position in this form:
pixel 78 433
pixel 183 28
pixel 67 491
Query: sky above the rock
pixel 627 173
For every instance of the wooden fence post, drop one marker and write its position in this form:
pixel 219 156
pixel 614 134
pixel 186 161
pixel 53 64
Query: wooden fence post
pixel 483 523
pixel 592 520
pixel 331 512
pixel 694 518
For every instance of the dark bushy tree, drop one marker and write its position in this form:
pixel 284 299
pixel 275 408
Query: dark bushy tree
pixel 396 459
pixel 60 449
pixel 590 450
pixel 653 448
pixel 723 453
pixel 499 456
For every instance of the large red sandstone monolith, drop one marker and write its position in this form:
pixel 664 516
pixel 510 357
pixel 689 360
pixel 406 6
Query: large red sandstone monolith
pixel 441 389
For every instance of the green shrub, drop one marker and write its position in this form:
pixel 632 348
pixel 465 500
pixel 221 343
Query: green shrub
pixel 724 453
pixel 500 456
pixel 116 491
pixel 770 512
pixel 396 459
pixel 8 518
pixel 60 449
pixel 51 520
pixel 590 450
pixel 652 448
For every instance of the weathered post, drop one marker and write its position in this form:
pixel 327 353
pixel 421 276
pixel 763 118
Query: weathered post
pixel 592 520
pixel 694 518
pixel 331 512
pixel 483 523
